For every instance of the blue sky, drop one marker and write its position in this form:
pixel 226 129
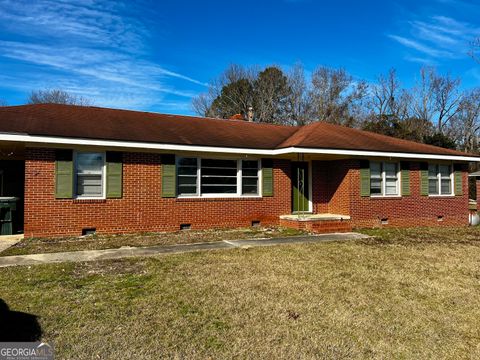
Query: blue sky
pixel 155 56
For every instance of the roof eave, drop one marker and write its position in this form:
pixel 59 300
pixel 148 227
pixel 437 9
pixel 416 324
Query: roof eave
pixel 52 140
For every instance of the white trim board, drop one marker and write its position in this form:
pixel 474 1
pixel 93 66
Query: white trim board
pixel 35 139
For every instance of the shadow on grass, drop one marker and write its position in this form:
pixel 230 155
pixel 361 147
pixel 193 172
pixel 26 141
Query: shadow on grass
pixel 18 326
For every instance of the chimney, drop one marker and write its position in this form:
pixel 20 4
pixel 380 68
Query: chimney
pixel 250 114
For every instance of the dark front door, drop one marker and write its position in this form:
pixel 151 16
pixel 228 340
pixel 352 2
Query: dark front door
pixel 300 186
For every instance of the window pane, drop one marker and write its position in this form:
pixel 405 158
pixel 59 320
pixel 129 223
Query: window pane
pixel 375 186
pixel 89 163
pixel 432 171
pixel 219 176
pixel 446 186
pixel 249 177
pixel 390 170
pixel 219 189
pixel 391 187
pixel 433 186
pixel 187 162
pixel 250 164
pixel 215 163
pixel 375 170
pixel 187 176
pixel 89 185
pixel 444 171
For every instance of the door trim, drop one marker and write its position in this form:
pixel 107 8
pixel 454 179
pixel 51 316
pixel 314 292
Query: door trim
pixel 309 190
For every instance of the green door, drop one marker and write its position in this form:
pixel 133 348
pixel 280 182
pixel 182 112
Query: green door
pixel 300 187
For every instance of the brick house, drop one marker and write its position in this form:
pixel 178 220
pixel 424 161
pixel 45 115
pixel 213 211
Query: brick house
pixel 81 169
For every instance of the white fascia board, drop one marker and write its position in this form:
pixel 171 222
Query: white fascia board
pixel 213 149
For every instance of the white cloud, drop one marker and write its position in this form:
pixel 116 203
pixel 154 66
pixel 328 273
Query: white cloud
pixel 88 45
pixel 437 37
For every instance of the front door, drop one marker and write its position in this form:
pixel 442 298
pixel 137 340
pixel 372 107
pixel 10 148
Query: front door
pixel 300 188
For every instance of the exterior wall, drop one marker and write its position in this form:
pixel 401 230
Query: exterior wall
pixel 141 208
pixel 335 188
pixel 477 185
pixel 331 187
pixel 405 211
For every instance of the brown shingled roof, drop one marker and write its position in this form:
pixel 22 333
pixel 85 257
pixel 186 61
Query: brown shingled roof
pixel 123 125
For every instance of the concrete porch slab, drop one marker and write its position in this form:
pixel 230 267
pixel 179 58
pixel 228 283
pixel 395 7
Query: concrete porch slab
pixel 314 217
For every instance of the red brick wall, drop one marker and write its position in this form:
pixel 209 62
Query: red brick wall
pixel 142 208
pixel 335 187
pixel 331 187
pixel 413 210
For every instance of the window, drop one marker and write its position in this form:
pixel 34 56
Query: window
pixel 439 179
pixel 210 177
pixel 249 177
pixel 218 176
pixel 384 179
pixel 89 174
pixel 187 176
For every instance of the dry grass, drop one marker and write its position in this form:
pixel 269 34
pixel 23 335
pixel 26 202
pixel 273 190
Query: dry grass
pixel 406 296
pixel 97 242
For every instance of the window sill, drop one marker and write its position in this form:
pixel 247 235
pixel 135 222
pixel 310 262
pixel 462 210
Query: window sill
pixel 89 200
pixel 442 196
pixel 217 198
pixel 385 196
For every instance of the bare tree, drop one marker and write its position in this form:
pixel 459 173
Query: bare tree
pixel 3 102
pixel 465 126
pixel 447 98
pixel 335 95
pixel 475 49
pixel 56 96
pixel 298 103
pixel 422 103
pixel 389 98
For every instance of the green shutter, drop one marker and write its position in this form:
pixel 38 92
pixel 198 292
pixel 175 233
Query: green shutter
pixel 364 178
pixel 424 179
pixel 458 178
pixel 64 174
pixel 169 173
pixel 405 178
pixel 114 174
pixel 267 177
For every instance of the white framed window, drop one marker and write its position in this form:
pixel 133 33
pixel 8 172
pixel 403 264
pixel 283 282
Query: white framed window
pixel 440 179
pixel 89 175
pixel 217 177
pixel 384 179
pixel 250 179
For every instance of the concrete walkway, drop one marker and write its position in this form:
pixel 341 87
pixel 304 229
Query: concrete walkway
pixel 7 241
pixel 123 252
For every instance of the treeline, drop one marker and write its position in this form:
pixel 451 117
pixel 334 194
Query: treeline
pixel 436 110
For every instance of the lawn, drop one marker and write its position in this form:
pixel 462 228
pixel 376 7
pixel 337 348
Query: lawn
pixel 403 294
pixel 97 242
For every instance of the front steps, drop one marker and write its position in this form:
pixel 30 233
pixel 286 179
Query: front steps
pixel 317 223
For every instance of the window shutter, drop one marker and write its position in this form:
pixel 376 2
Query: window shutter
pixel 364 178
pixel 267 177
pixel 458 178
pixel 405 177
pixel 114 174
pixel 424 179
pixel 169 173
pixel 64 174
